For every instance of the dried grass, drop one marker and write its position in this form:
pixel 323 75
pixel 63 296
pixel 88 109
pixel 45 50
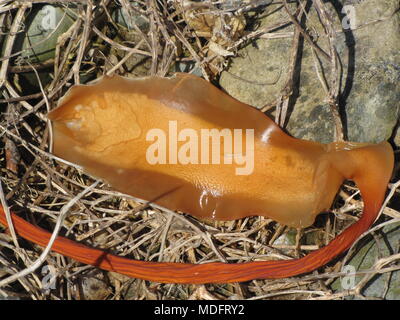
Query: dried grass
pixel 38 186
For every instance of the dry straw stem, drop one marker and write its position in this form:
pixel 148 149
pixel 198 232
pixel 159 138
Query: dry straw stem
pixel 45 187
pixel 54 235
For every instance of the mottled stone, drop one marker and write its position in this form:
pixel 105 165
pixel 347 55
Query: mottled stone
pixel 37 41
pixel 43 25
pixel 387 285
pixel 370 58
pixel 93 288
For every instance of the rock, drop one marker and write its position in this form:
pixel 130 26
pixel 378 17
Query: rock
pixel 364 259
pixel 286 239
pixel 188 67
pixel 137 65
pixel 371 73
pixel 130 19
pixel 93 288
pixel 44 25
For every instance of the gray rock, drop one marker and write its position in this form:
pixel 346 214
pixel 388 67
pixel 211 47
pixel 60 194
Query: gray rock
pixel 371 73
pixel 130 19
pixel 387 285
pixel 44 25
pixel 94 288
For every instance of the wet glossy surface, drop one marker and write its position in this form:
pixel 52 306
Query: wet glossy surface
pixel 103 128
